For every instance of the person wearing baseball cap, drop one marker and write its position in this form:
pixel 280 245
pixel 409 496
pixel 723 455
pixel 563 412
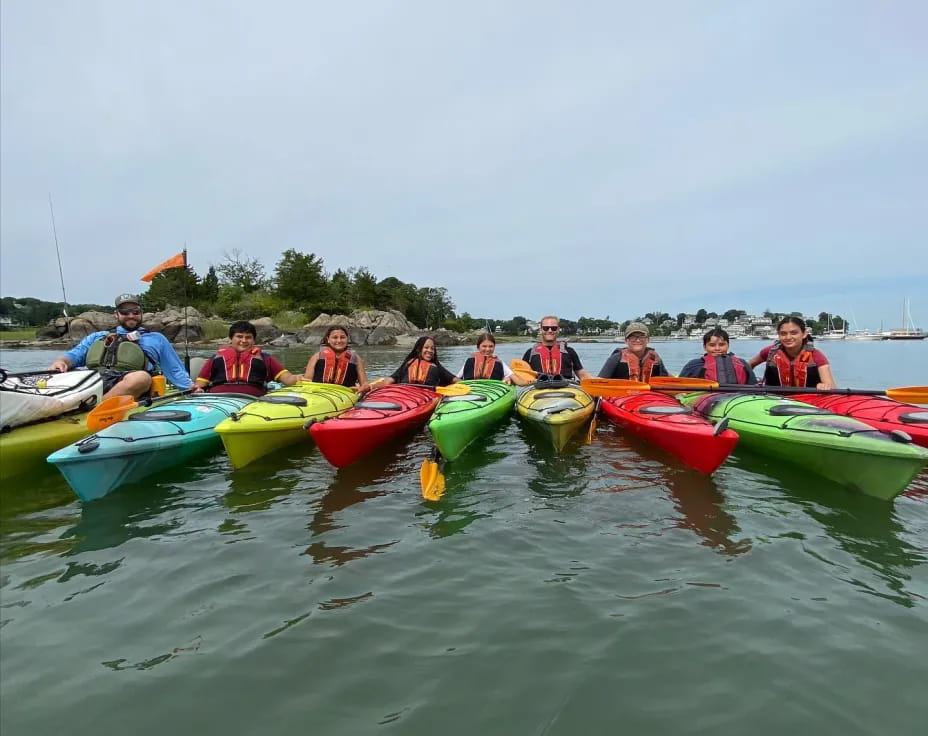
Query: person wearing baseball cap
pixel 636 361
pixel 128 355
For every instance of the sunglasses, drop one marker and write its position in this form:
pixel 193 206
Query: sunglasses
pixel 548 328
pixel 127 312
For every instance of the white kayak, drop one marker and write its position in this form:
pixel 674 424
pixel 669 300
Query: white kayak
pixel 32 397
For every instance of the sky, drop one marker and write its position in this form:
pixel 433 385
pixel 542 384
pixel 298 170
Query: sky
pixel 595 159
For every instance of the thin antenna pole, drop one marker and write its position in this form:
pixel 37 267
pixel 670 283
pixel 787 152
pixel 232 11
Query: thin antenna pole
pixel 186 324
pixel 58 251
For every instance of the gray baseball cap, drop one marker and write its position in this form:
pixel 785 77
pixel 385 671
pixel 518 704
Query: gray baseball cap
pixel 127 299
pixel 637 327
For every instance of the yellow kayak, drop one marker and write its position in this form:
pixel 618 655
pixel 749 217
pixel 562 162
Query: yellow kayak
pixel 558 408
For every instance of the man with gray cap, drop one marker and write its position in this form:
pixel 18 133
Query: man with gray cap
pixel 636 361
pixel 126 356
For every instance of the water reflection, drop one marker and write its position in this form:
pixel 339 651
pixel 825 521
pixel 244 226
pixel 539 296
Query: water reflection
pixel 866 528
pixel 349 486
pixel 695 496
pixel 556 475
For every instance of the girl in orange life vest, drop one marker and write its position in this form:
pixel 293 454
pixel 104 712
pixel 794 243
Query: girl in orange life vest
pixel 335 363
pixel 241 367
pixel 484 364
pixel 792 360
pixel 420 367
pixel 636 361
pixel 718 364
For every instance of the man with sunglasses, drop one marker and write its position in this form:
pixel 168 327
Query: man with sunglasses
pixel 127 356
pixel 554 358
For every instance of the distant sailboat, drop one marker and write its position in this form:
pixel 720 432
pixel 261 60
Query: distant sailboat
pixel 831 333
pixel 908 331
pixel 859 334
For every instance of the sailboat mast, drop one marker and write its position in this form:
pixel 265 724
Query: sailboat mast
pixel 64 296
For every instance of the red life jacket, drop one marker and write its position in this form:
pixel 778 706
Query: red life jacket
pixel 640 370
pixel 710 367
pixel 484 365
pixel 334 367
pixel 795 372
pixel 417 371
pixel 550 360
pixel 230 366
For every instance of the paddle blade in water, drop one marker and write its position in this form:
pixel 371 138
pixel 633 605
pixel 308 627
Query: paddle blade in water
pixel 606 387
pixel 431 478
pixel 589 436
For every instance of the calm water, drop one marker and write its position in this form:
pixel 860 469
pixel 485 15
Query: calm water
pixel 608 590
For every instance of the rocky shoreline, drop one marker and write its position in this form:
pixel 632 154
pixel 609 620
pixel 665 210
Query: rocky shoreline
pixel 365 327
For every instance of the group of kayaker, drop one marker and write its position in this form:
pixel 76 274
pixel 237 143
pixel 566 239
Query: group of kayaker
pixel 129 355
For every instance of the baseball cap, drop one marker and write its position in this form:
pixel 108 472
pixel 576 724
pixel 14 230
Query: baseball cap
pixel 637 327
pixel 127 299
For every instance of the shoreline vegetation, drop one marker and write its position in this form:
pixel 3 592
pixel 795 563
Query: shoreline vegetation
pixel 299 292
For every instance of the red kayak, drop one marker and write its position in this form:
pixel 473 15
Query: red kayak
pixel 879 412
pixel 382 415
pixel 665 422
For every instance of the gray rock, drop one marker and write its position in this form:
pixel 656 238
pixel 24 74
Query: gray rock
pixel 267 330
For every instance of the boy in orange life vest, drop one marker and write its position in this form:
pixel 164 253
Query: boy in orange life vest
pixel 636 361
pixel 241 367
pixel 718 364
pixel 552 357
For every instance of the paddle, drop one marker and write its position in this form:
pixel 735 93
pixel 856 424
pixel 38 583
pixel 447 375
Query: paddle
pixel 607 387
pixel 907 394
pixel 523 369
pixel 620 387
pixel 431 478
pixel 589 436
pixel 115 409
pixel 455 389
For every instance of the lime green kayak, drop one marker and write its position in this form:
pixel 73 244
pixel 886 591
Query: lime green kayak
pixel 279 419
pixel 558 408
pixel 836 447
pixel 459 420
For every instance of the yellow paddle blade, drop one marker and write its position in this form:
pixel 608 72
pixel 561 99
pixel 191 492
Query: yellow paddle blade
pixel 606 387
pixel 909 394
pixel 455 389
pixel 521 366
pixel 431 479
pixel 110 411
pixel 589 435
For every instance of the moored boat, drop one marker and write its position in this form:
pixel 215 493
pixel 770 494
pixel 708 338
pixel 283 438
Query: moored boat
pixel 383 414
pixel 557 408
pixel 836 447
pixel 278 419
pixel 459 420
pixel 663 421
pixel 145 443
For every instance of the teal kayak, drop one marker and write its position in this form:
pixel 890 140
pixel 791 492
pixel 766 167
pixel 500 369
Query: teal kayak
pixel 145 443
pixel 836 447
pixel 459 420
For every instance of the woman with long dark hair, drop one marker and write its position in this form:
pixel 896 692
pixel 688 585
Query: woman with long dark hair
pixel 793 360
pixel 421 367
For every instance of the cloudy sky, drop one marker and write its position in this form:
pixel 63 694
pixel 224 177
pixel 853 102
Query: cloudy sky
pixel 596 158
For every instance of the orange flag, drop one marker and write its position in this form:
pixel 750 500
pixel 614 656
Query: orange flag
pixel 173 262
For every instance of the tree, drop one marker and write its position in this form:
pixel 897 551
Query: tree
pixel 209 287
pixel 339 296
pixel 701 316
pixel 364 287
pixel 242 271
pixel 300 279
pixel 681 317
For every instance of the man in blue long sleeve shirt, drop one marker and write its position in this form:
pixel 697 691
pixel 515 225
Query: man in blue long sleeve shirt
pixel 126 356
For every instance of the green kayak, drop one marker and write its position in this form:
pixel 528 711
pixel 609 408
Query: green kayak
pixel 459 420
pixel 837 447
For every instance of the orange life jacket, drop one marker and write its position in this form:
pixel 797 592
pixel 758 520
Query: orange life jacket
pixel 230 366
pixel 640 369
